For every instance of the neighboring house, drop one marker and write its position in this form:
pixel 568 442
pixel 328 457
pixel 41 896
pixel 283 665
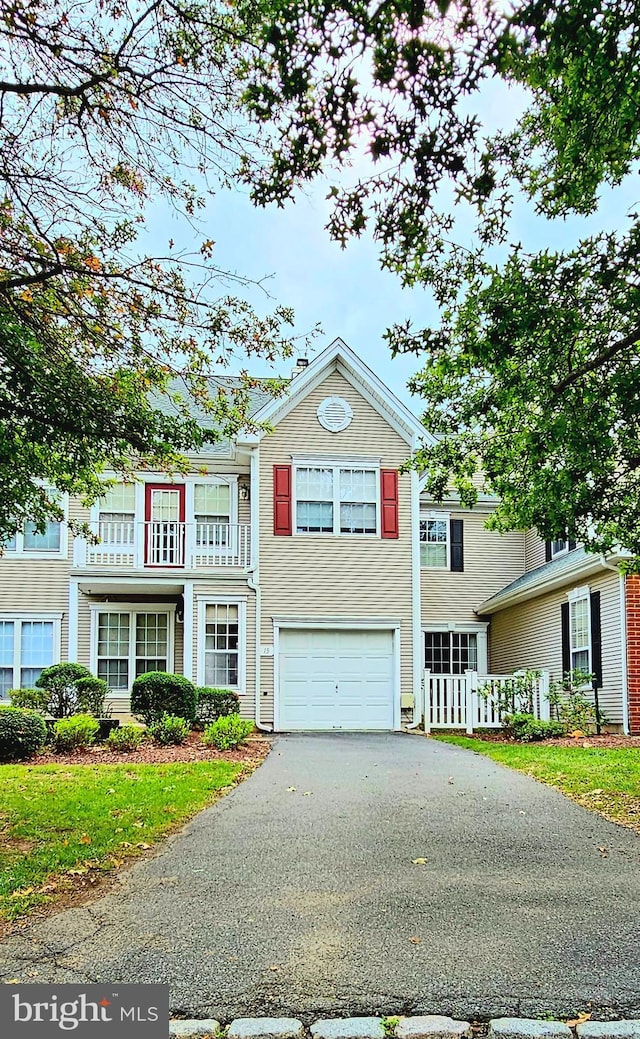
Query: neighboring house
pixel 301 568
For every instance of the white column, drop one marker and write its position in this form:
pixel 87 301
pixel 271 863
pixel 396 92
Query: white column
pixel 188 631
pixel 72 623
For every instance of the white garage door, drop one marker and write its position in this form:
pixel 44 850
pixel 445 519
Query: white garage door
pixel 336 679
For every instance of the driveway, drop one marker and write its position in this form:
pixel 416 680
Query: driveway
pixel 297 895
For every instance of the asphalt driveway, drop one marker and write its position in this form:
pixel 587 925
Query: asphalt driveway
pixel 297 895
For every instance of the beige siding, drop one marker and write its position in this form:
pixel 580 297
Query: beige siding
pixel 325 576
pixel 30 585
pixel 529 635
pixel 491 561
pixel 534 550
pixel 211 591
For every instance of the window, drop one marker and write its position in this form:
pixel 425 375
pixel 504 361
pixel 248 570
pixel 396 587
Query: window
pixel 222 645
pixel 29 541
pixel 336 500
pixel 212 513
pixel 116 515
pixel 558 547
pixel 129 643
pixel 450 652
pixel 434 542
pixel 579 634
pixel 27 646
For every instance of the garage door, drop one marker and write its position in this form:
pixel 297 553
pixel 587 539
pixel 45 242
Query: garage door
pixel 336 679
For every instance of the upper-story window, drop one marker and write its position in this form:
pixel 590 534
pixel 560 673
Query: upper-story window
pixel 117 513
pixel 441 542
pixel 28 540
pixel 212 513
pixel 336 500
pixel 434 542
pixel 559 547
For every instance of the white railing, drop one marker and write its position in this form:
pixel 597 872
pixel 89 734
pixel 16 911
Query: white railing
pixel 471 701
pixel 165 543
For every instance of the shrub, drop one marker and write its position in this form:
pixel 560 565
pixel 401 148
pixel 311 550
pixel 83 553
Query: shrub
pixel 22 733
pixel 92 693
pixel 31 699
pixel 127 737
pixel 215 703
pixel 529 729
pixel 227 732
pixel 75 733
pixel 61 682
pixel 156 693
pixel 170 728
pixel 571 706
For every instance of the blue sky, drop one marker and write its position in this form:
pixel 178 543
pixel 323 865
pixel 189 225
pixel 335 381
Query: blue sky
pixel 345 290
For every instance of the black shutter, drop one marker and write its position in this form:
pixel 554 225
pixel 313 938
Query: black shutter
pixel 457 546
pixel 547 551
pixel 566 650
pixel 596 638
pixel 572 545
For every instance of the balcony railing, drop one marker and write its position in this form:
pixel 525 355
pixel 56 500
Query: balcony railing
pixel 165 543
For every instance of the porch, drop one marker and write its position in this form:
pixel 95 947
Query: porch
pixel 472 701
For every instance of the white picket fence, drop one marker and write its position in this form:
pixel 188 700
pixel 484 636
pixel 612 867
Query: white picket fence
pixel 455 701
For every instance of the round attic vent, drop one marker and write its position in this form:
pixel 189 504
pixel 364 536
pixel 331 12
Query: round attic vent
pixel 334 414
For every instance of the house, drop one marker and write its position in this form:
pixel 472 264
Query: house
pixel 304 569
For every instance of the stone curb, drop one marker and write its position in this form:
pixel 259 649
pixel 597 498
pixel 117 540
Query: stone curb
pixel 431 1026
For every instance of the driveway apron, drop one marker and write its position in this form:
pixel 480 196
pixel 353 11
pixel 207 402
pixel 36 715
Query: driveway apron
pixel 360 874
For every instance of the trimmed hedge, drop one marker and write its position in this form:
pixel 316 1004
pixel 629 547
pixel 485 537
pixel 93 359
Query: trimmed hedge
pixel 61 682
pixel 215 703
pixel 22 733
pixel 156 693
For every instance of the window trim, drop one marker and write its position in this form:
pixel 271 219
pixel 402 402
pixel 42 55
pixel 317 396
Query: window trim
pixel 432 514
pixel 576 595
pixel 560 551
pixel 336 465
pixel 223 600
pixel 133 609
pixel 17 618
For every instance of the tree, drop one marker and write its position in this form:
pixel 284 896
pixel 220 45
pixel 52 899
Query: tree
pixel 104 108
pixel 532 374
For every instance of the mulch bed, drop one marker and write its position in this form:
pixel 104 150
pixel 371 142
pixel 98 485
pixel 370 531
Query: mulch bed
pixel 255 749
pixel 607 741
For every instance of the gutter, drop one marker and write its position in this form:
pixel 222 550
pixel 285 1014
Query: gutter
pixel 253 580
pixel 623 644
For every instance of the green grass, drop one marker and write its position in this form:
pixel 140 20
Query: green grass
pixel 62 827
pixel 605 781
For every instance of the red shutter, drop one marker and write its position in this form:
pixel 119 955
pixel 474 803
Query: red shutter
pixel 389 502
pixel 281 500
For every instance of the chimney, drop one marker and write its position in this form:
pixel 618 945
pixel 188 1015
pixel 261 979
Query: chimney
pixel 301 364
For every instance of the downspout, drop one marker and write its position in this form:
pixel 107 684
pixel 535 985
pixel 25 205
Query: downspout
pixel 415 602
pixel 623 642
pixel 253 579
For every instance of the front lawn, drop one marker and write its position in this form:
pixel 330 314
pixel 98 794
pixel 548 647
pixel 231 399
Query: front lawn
pixel 62 827
pixel 606 781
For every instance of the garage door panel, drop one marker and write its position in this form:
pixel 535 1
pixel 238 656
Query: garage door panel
pixel 336 679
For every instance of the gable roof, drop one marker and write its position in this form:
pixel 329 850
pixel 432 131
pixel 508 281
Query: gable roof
pixel 341 358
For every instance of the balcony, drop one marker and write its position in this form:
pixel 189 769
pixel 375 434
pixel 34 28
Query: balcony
pixel 165 544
